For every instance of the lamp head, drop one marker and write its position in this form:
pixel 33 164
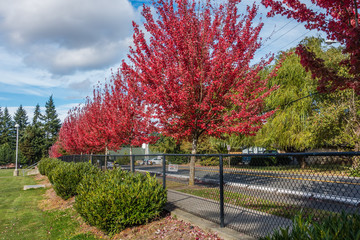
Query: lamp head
pixel 17 125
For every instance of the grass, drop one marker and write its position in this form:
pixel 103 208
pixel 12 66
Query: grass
pixel 257 203
pixel 21 218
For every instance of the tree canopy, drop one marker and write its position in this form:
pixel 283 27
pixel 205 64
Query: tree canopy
pixel 339 19
pixel 51 123
pixel 195 70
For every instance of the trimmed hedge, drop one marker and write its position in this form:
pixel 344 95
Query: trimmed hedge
pixel 336 227
pixel 116 199
pixel 67 176
pixel 47 164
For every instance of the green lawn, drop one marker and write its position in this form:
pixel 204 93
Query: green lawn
pixel 21 218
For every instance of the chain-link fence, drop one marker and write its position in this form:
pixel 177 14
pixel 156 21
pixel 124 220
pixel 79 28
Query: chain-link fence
pixel 251 193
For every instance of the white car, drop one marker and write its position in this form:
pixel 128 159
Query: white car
pixel 155 161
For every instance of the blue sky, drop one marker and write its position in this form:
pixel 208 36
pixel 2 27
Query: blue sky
pixel 65 47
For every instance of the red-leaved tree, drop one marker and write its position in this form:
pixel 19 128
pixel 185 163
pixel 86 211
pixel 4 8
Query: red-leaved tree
pixel 116 115
pixel 131 118
pixel 56 150
pixel 96 129
pixel 68 135
pixel 195 70
pixel 339 19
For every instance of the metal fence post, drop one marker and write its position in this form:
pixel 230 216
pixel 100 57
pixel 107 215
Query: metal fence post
pixel 164 171
pixel 132 164
pixel 221 173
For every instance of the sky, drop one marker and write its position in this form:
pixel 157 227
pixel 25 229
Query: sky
pixel 64 48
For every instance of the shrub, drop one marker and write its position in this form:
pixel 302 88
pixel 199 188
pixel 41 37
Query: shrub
pixel 122 160
pixel 67 176
pixel 177 159
pixel 50 172
pixel 115 199
pixel 47 164
pixel 211 161
pixel 263 161
pixel 354 172
pixel 342 226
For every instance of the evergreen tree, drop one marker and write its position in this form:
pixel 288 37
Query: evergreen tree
pixel 7 155
pixel 37 116
pixel 8 133
pixel 1 125
pixel 21 118
pixel 32 144
pixel 51 124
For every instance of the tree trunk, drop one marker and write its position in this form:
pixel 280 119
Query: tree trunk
pixel 356 159
pixel 106 153
pixel 192 162
pixel 131 160
pixel 302 162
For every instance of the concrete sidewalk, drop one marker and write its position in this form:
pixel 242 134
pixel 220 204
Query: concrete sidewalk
pixel 243 220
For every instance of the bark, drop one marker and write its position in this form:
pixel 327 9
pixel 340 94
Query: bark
pixel 302 162
pixel 192 162
pixel 131 160
pixel 106 153
pixel 356 14
pixel 356 159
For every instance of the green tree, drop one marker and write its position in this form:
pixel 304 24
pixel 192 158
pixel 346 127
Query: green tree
pixel 1 125
pixel 166 145
pixel 21 118
pixel 51 124
pixel 7 154
pixel 32 144
pixel 298 104
pixel 37 116
pixel 8 134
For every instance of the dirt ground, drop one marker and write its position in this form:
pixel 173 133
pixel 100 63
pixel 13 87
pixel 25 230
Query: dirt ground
pixel 166 227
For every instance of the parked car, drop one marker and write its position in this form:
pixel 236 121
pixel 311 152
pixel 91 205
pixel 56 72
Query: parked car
pixel 156 160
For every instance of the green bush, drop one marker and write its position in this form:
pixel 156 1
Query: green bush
pixel 354 172
pixel 47 164
pixel 263 161
pixel 67 176
pixel 115 199
pixel 122 160
pixel 177 159
pixel 342 226
pixel 211 161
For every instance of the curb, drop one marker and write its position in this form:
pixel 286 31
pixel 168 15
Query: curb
pixel 224 233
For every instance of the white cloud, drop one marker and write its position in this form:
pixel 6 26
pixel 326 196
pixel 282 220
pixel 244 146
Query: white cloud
pixel 29 111
pixel 65 36
pixel 61 110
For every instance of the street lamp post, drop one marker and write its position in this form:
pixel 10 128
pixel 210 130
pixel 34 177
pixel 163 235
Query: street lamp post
pixel 16 172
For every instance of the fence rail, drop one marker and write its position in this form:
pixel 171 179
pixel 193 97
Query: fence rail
pixel 252 193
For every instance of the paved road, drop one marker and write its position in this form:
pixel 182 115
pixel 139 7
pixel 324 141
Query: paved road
pixel 334 186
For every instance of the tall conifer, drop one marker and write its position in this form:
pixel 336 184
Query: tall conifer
pixel 21 118
pixel 51 124
pixel 8 134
